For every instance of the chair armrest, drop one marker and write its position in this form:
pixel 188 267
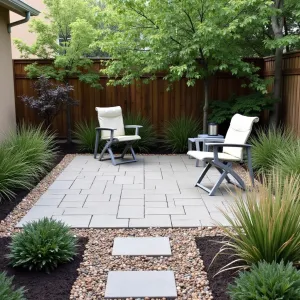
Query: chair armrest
pixel 103 128
pixel 98 129
pixel 137 127
pixel 228 145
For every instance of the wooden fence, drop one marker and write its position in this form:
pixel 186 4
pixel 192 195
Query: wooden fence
pixel 290 106
pixel 151 100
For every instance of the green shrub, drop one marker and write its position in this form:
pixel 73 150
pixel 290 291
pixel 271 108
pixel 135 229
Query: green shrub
pixel 42 245
pixel 7 289
pixel 147 133
pixel 265 222
pixel 25 156
pixel 178 131
pixel 268 146
pixel 86 134
pixel 249 105
pixel 267 281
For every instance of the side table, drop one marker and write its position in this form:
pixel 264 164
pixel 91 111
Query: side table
pixel 203 138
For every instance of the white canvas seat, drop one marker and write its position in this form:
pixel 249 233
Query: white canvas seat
pixel 233 146
pixel 112 130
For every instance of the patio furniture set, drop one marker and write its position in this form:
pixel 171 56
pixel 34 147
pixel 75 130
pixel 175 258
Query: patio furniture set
pixel 112 130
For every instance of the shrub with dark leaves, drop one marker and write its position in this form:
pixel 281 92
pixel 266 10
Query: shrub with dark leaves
pixel 42 245
pixel 50 99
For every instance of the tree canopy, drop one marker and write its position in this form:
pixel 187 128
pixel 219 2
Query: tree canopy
pixel 185 38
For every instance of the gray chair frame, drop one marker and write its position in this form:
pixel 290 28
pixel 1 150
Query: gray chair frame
pixel 225 168
pixel 111 141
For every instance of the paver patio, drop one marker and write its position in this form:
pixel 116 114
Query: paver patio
pixel 156 191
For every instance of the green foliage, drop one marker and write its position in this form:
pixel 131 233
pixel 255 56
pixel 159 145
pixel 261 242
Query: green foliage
pixel 269 281
pixel 265 222
pixel 42 245
pixel 273 146
pixel 178 131
pixel 86 134
pixel 144 37
pixel 287 160
pixel 7 289
pixel 25 156
pixel 75 23
pixel 147 132
pixel 249 105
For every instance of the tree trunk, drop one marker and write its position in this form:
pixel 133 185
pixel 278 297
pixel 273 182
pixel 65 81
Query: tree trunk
pixel 69 129
pixel 205 107
pixel 277 26
pixel 68 117
pixel 275 116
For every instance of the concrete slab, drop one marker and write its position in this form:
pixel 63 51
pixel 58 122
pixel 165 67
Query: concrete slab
pixel 140 284
pixel 137 246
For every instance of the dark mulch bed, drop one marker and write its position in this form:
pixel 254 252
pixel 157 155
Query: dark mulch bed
pixel 39 285
pixel 208 247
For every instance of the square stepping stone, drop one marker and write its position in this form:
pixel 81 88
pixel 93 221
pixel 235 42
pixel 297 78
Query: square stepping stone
pixel 149 246
pixel 140 284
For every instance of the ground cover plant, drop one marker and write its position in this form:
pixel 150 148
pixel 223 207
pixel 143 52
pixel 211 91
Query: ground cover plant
pixel 42 245
pixel 7 289
pixel 25 156
pixel 177 132
pixel 268 147
pixel 270 281
pixel 265 223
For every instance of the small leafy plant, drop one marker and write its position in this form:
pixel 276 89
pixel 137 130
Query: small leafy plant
pixel 249 105
pixel 270 281
pixel 42 245
pixel 265 223
pixel 178 131
pixel 50 98
pixel 7 289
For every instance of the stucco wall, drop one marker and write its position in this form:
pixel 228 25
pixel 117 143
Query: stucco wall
pixel 7 99
pixel 22 31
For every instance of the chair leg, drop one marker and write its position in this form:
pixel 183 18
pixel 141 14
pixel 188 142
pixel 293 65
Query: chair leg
pixel 208 166
pixel 112 157
pixel 249 159
pixel 133 153
pixel 107 145
pixel 229 170
pixel 217 184
pixel 96 144
pixel 226 177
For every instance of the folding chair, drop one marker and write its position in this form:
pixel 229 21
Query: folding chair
pixel 113 131
pixel 233 146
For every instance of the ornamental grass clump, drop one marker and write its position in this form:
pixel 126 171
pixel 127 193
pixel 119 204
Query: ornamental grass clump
pixel 265 223
pixel 42 245
pixel 7 289
pixel 269 281
pixel 25 156
pixel 147 132
pixel 268 145
pixel 178 131
pixel 86 134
